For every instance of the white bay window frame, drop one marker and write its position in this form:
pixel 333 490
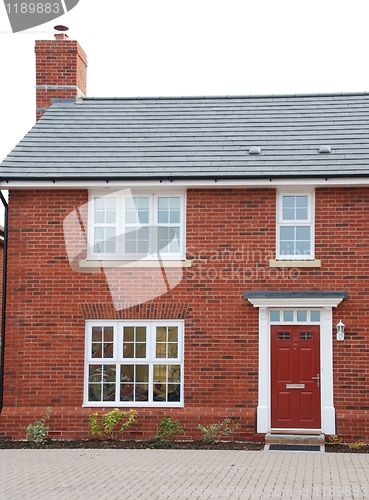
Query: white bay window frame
pixel 294 223
pixel 125 227
pixel 115 362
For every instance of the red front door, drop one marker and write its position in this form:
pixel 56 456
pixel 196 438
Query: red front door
pixel 295 370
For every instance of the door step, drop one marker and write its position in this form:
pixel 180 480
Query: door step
pixel 294 442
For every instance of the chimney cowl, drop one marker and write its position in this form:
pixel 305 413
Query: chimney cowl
pixel 61 35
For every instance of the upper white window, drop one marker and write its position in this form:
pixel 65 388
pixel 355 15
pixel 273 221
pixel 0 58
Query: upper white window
pixel 126 225
pixel 295 225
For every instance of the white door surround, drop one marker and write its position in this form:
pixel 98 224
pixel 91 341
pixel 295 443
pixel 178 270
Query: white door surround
pixel 324 301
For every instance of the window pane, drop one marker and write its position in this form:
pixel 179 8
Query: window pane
pixel 98 234
pixel 288 214
pixel 167 342
pixel 98 216
pixel 303 233
pixel 136 241
pixel 110 217
pixel 101 383
pixel 175 203
pixel 98 204
pixel 315 316
pixel 295 207
pixel 110 203
pixel 97 334
pixel 131 217
pixel 301 315
pixel 128 337
pixel 172 350
pixel 168 239
pixel 161 350
pixel 163 203
pixel 160 385
pixel 274 315
pixel 288 202
pixel 169 210
pixel 162 217
pixel 141 383
pixel 175 217
pixel 137 210
pixel 130 247
pixel 126 382
pixel 287 233
pixel 130 204
pixel 167 382
pixel 301 213
pixel 287 315
pixel 143 203
pixel 104 210
pixel 110 246
pixel 143 216
pixel 160 334
pixel 286 248
pixel 303 248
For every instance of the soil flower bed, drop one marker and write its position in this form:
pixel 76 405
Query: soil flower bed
pixel 8 444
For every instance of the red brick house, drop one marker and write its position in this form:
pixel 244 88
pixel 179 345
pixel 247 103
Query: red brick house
pixel 187 257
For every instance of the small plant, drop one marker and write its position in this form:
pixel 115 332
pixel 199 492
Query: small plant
pixel 37 432
pixel 212 433
pixel 108 427
pixel 168 429
pixel 356 446
pixel 335 440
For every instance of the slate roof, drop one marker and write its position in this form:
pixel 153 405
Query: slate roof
pixel 196 138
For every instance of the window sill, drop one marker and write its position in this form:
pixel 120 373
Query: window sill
pixel 133 404
pixel 134 263
pixel 295 263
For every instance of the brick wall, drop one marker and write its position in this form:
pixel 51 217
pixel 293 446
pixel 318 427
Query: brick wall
pixel 230 239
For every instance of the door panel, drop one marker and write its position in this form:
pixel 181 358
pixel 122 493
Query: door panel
pixel 295 366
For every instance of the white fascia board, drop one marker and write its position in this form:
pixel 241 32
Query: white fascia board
pixel 203 183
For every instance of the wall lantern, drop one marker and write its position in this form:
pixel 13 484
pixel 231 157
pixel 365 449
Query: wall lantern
pixel 340 330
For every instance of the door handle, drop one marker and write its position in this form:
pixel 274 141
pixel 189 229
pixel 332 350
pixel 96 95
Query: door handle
pixel 317 378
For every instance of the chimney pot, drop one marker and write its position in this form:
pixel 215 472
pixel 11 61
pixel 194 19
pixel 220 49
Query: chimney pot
pixel 61 36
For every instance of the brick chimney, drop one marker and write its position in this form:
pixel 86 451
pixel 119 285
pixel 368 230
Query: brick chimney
pixel 61 71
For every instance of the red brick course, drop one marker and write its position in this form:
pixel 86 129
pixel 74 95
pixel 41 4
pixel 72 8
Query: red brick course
pixel 231 236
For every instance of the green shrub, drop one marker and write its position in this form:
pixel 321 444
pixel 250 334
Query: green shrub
pixel 108 427
pixel 168 429
pixel 212 433
pixel 335 440
pixel 37 432
pixel 356 446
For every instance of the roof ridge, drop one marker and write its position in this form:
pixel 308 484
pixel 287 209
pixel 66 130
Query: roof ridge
pixel 250 96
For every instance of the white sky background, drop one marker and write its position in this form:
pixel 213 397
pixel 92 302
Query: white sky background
pixel 194 47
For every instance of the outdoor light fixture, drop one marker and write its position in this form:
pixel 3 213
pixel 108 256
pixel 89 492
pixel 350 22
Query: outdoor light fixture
pixel 340 330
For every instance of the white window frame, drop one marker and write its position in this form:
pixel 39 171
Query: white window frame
pixel 121 225
pixel 118 360
pixel 309 222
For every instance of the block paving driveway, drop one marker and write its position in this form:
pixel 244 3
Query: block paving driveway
pixel 187 474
